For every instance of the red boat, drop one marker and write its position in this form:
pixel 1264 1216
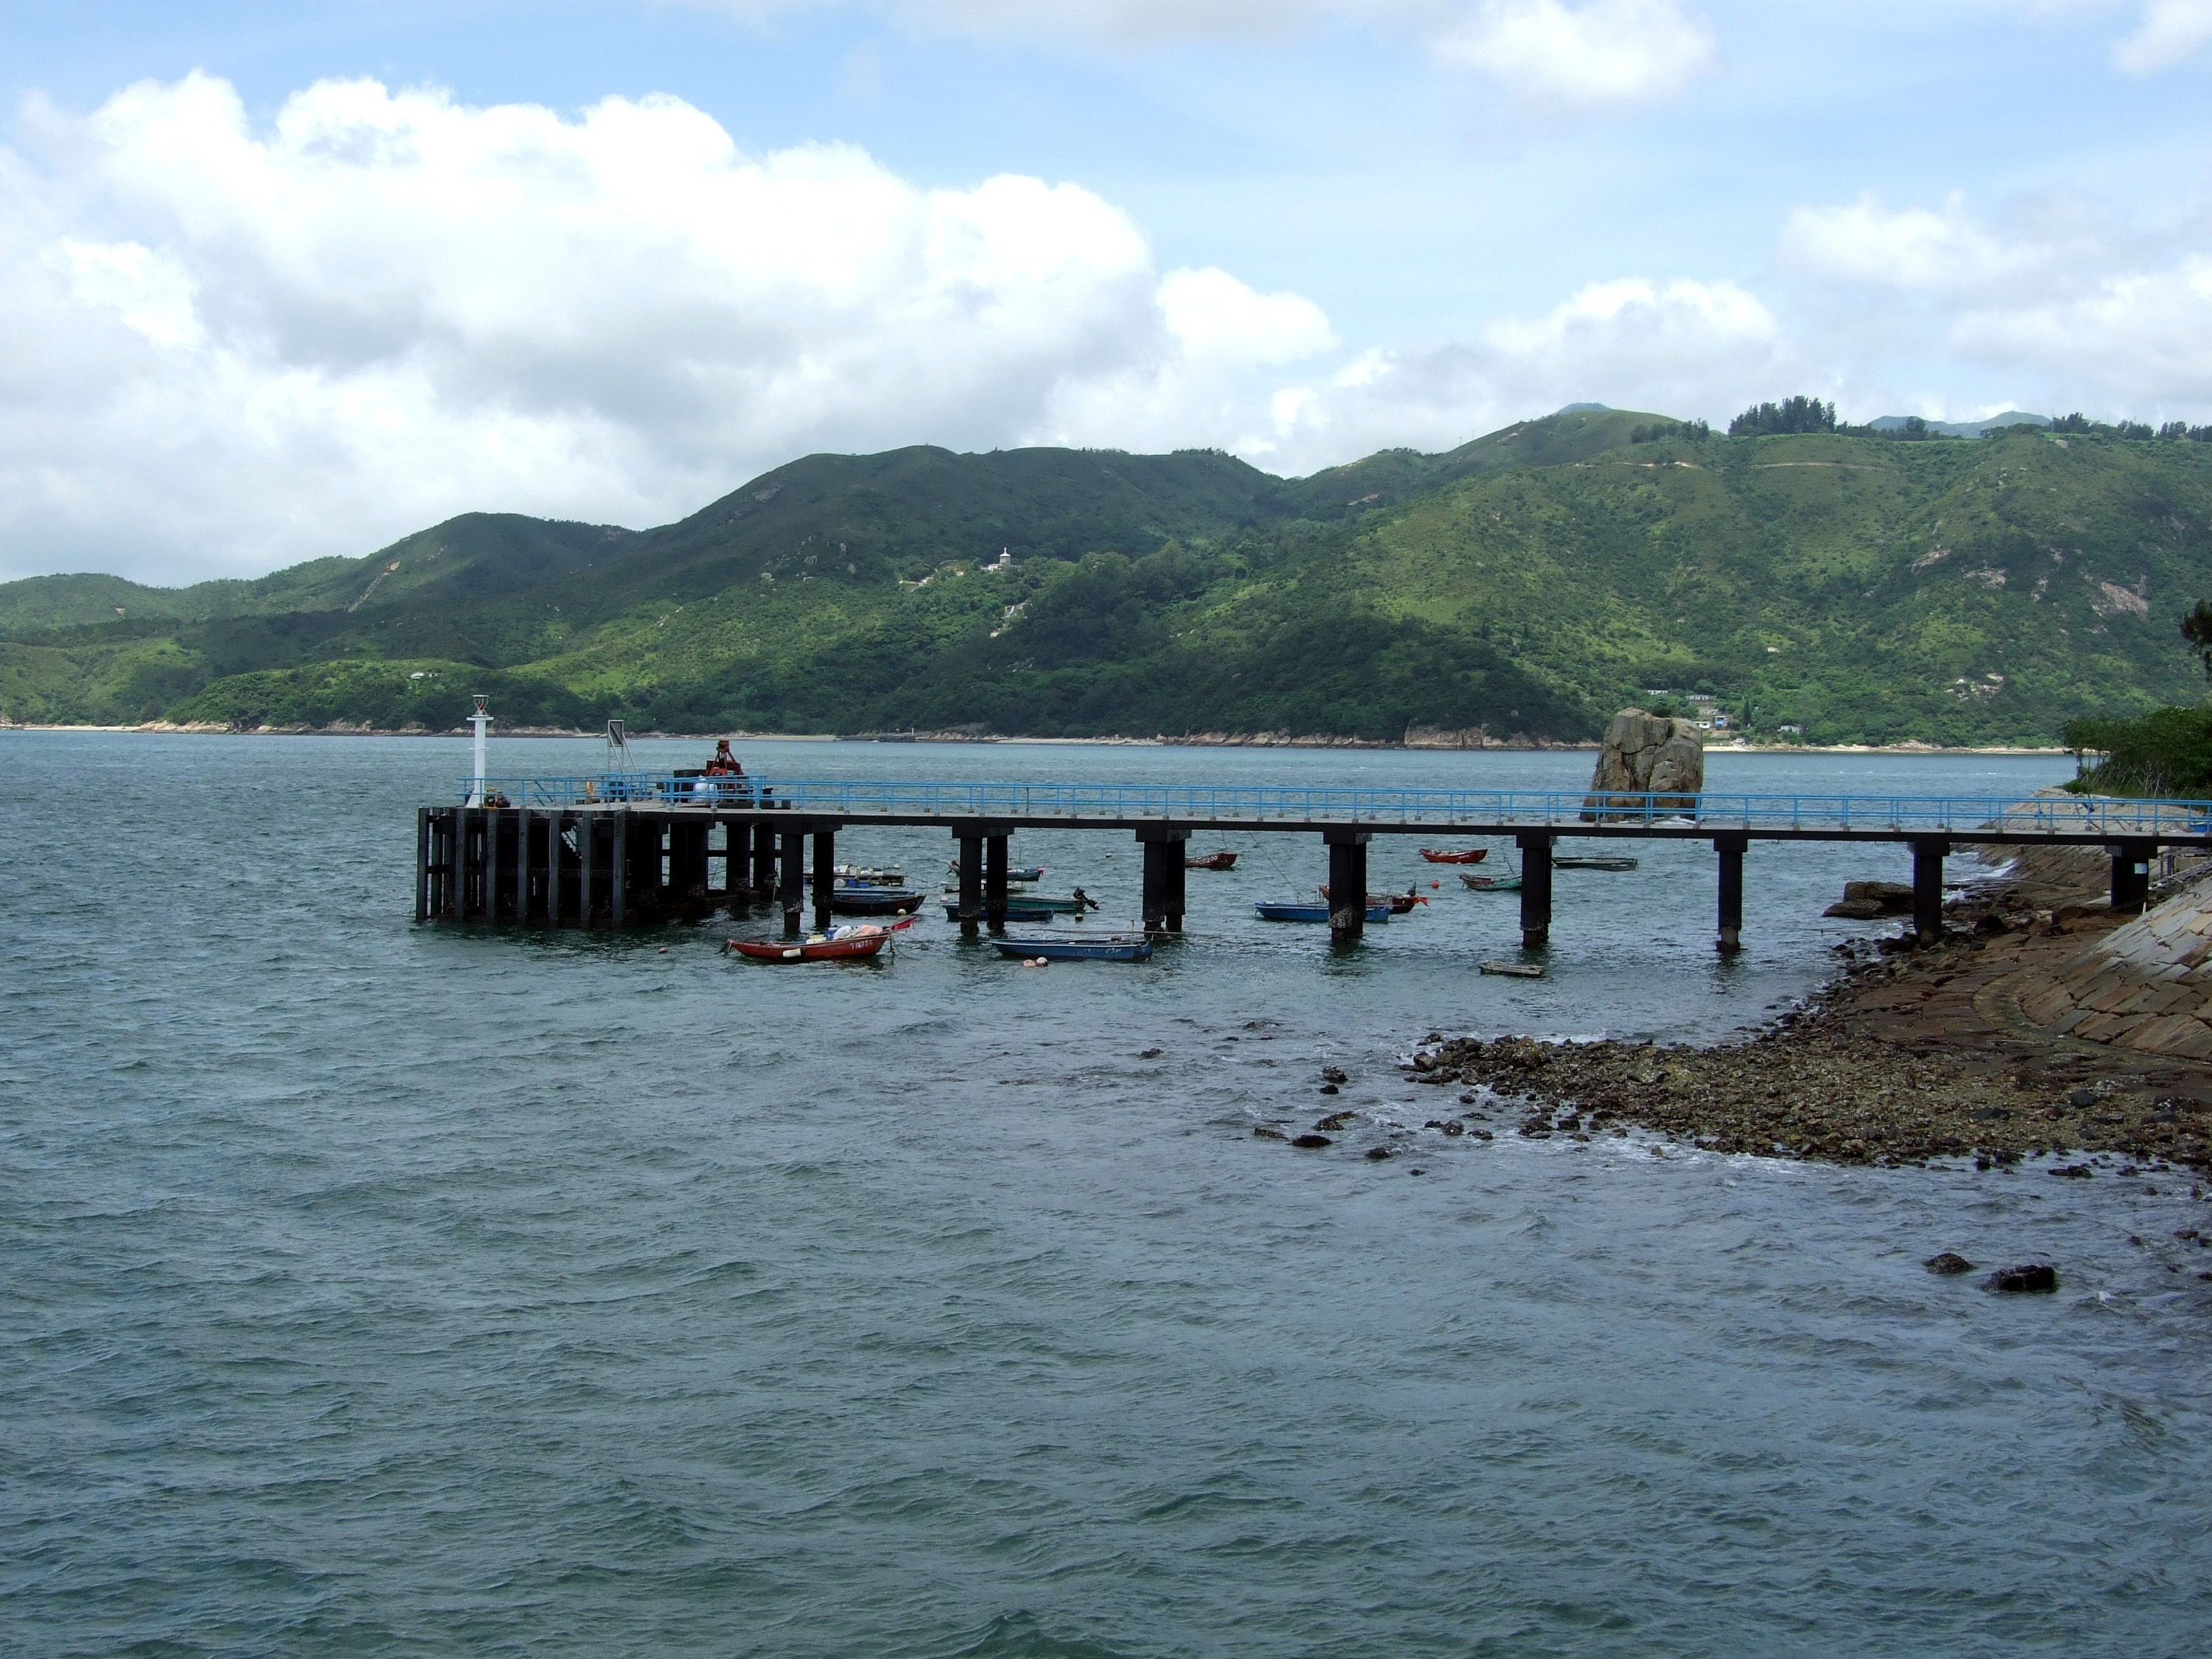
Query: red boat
pixel 847 945
pixel 1211 861
pixel 1401 903
pixel 1475 856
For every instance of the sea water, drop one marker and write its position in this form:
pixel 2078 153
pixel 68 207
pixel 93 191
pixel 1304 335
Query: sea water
pixel 372 1287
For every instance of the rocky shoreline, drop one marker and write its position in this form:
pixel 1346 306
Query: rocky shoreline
pixel 1911 1055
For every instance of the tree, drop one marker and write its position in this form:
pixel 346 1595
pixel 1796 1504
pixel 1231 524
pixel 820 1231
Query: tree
pixel 1791 415
pixel 2196 629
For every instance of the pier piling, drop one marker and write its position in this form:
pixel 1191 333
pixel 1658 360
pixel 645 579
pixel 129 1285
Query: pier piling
pixel 826 876
pixel 1730 849
pixel 1162 901
pixel 1535 889
pixel 793 873
pixel 1347 884
pixel 2131 875
pixel 970 839
pixel 1928 855
pixel 994 883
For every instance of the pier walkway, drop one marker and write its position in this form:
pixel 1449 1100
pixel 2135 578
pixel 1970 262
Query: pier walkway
pixel 618 846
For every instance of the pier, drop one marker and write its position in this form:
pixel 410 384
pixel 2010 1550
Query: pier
pixel 618 848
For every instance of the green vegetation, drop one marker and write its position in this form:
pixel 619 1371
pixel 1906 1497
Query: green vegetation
pixel 1949 590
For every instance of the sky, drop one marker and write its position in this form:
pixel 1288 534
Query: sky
pixel 285 281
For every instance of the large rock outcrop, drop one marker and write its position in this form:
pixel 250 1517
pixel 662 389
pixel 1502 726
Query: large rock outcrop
pixel 1644 752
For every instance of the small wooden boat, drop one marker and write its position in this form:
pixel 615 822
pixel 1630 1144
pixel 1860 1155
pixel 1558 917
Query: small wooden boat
pixel 1293 912
pixel 1506 883
pixel 1594 862
pixel 1473 855
pixel 1103 947
pixel 1401 904
pixel 1515 970
pixel 852 944
pixel 875 900
pixel 1211 861
pixel 1027 872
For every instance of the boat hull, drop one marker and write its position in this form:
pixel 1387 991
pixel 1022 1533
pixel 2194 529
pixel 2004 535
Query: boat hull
pixel 1109 949
pixel 874 901
pixel 1401 904
pixel 851 949
pixel 1472 856
pixel 1211 861
pixel 1492 884
pixel 1313 912
pixel 1593 864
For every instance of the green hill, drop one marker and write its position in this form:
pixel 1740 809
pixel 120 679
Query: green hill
pixel 1861 588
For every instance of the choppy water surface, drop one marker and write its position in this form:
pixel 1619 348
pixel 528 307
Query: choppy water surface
pixel 374 1288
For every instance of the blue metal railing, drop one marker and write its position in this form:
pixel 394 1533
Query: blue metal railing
pixel 1441 809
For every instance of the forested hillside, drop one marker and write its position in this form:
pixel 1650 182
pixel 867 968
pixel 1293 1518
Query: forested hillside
pixel 1857 588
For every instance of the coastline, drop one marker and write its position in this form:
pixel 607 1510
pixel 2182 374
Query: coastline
pixel 1909 1055
pixel 1257 740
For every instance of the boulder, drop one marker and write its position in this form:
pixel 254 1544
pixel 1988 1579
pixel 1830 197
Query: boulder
pixel 1645 753
pixel 1865 900
pixel 2034 1276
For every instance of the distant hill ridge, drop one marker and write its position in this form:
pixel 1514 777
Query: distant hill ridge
pixel 1857 588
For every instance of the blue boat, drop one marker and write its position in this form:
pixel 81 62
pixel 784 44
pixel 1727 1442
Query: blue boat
pixel 1103 947
pixel 1313 912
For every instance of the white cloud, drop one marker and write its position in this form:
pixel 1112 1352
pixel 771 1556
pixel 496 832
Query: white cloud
pixel 1681 347
pixel 1605 54
pixel 2086 310
pixel 224 348
pixel 1550 54
pixel 2171 30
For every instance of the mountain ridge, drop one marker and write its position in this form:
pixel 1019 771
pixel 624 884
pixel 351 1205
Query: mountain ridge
pixel 1522 585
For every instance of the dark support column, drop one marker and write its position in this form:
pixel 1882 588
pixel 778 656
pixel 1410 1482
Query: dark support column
pixel 1155 906
pixel 618 869
pixel 495 821
pixel 553 849
pixel 994 883
pixel 1348 885
pixel 1731 850
pixel 525 820
pixel 2131 875
pixel 422 863
pixel 1178 886
pixel 1536 889
pixel 826 876
pixel 1928 855
pixel 793 860
pixel 1164 845
pixel 587 859
pixel 456 862
pixel 971 883
pixel 764 881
